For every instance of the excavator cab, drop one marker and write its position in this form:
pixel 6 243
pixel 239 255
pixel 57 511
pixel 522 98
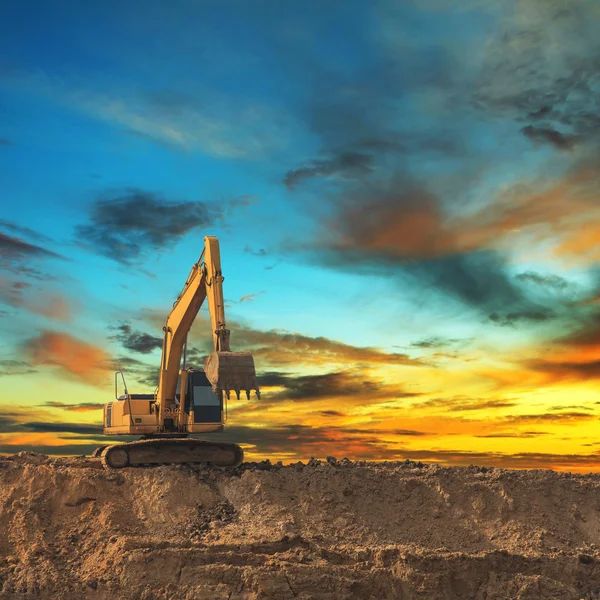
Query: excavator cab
pixel 201 402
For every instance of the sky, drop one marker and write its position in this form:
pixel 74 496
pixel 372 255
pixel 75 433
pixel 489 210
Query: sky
pixel 405 194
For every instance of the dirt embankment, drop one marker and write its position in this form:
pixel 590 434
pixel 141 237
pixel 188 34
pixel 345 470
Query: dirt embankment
pixel 69 529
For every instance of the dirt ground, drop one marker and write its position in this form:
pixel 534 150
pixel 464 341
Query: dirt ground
pixel 322 530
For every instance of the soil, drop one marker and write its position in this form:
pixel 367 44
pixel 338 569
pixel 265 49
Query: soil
pixel 322 530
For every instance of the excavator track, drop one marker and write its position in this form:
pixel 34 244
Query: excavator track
pixel 171 451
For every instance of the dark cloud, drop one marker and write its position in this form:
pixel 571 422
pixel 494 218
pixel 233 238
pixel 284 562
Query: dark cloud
pixel 76 428
pixel 565 417
pixel 347 164
pixel 136 341
pixel 26 231
pixel 465 404
pixel 124 226
pixel 477 279
pixel 12 247
pixel 513 434
pixel 520 79
pixel 566 369
pixel 331 413
pixel 547 135
pixel 81 407
pixel 339 384
pixel 315 387
pixel 585 332
pixel 511 319
pixel 550 281
pixel 5 142
pixel 15 424
pixel 434 342
pixel 15 367
pixel 140 372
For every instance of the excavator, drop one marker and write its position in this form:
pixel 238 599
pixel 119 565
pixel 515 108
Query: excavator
pixel 186 401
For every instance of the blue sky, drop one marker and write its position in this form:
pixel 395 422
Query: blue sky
pixel 414 178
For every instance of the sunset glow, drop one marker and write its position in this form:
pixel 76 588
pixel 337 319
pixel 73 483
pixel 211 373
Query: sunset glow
pixel 406 197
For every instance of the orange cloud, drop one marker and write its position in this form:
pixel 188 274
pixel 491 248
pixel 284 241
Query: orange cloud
pixel 21 294
pixel 414 224
pixel 81 360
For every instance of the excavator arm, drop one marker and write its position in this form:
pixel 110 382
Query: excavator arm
pixel 176 330
pixel 227 371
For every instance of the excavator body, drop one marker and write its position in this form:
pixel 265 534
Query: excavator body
pixel 187 401
pixel 203 410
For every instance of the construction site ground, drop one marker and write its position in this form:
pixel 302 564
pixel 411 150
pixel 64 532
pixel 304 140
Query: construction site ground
pixel 322 530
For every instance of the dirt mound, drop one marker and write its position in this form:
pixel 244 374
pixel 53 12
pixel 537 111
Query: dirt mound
pixel 332 529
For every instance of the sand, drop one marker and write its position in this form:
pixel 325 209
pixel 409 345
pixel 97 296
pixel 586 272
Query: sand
pixel 322 530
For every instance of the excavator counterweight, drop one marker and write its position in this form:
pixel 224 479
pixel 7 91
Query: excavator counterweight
pixel 187 401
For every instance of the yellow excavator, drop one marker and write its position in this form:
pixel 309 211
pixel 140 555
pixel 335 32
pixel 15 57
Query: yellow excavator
pixel 186 401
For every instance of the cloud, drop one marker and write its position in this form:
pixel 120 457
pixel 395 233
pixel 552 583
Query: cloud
pixel 250 297
pixel 513 434
pixel 566 370
pixel 76 428
pixel 136 341
pixel 77 359
pixel 21 294
pixel 435 342
pixel 464 404
pixel 5 142
pixel 26 231
pixel 127 224
pixel 21 257
pixel 339 384
pixel 12 247
pixel 553 47
pixel 331 413
pixel 81 407
pixel 570 417
pixel 197 120
pixel 547 135
pixel 259 252
pixel 15 367
pixel 19 423
pixel 403 232
pixel 284 347
pixel 141 372
pixel 511 319
pixel 549 281
pixel 347 163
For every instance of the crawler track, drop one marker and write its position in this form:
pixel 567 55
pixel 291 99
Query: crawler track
pixel 171 451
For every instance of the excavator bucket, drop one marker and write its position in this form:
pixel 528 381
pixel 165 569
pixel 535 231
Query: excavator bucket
pixel 231 371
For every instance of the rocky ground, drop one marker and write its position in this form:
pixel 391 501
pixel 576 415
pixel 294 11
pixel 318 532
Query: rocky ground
pixel 322 530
